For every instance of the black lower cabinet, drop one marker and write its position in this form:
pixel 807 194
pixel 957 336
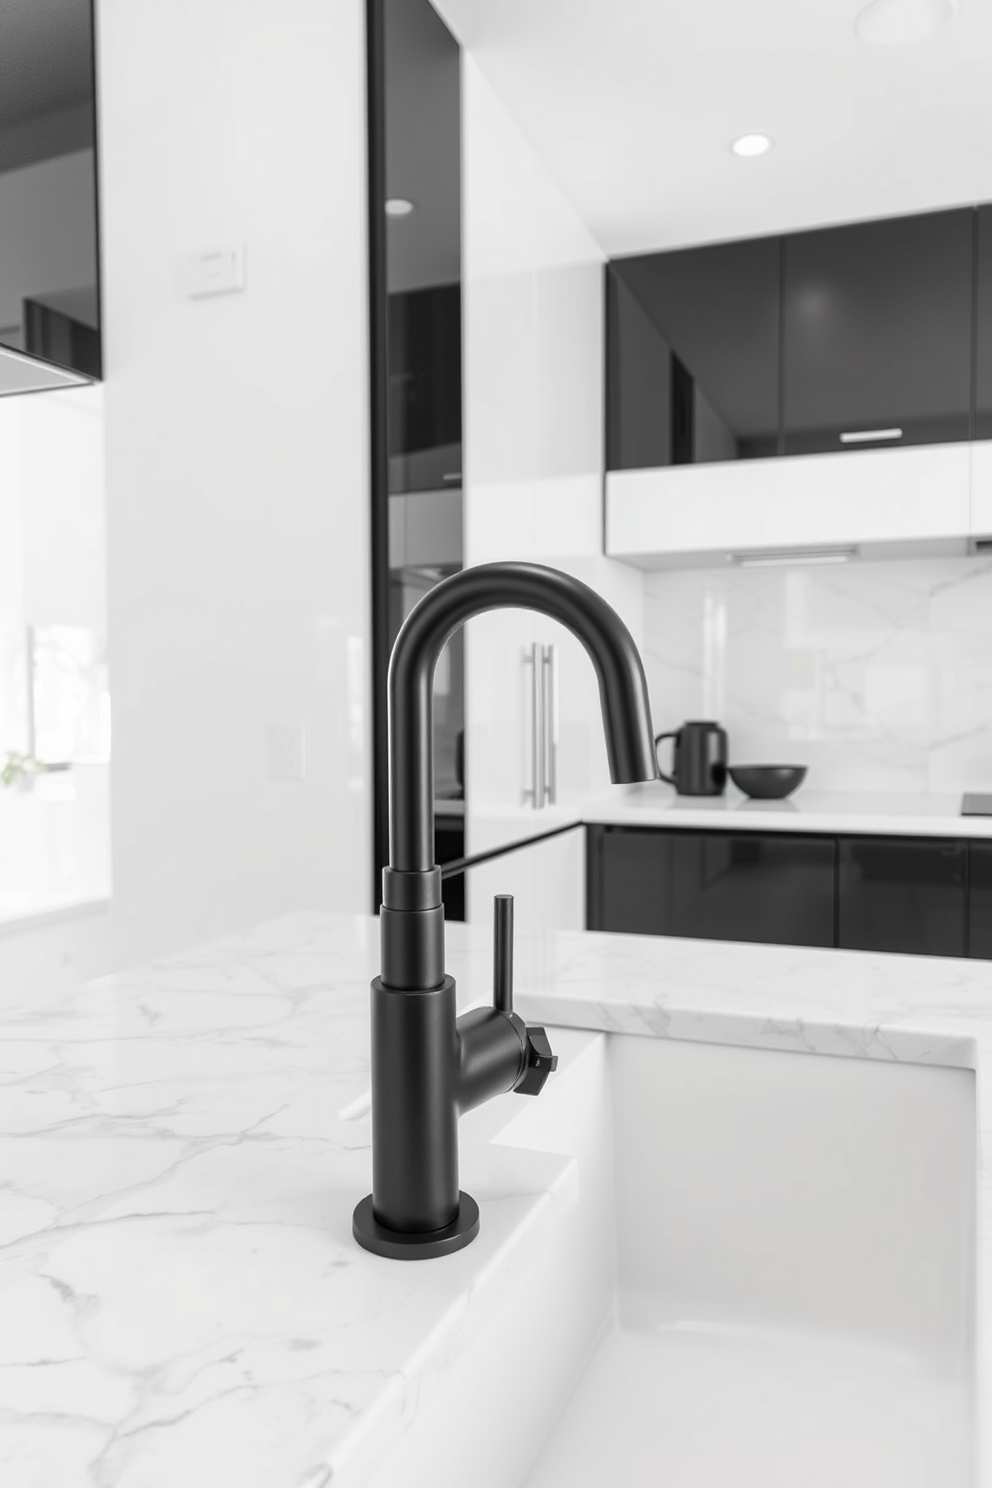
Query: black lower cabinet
pixel 628 881
pixel 769 887
pixel 980 902
pixel 902 894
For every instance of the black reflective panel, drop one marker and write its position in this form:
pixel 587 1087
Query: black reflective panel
pixel 980 906
pixel 693 355
pixel 770 887
pixel 902 894
pixel 628 882
pixel 49 277
pixel 877 334
pixel 415 158
pixel 425 388
pixel 983 324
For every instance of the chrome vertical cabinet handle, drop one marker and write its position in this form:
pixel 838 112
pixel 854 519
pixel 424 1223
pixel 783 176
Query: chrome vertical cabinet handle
pixel 549 689
pixel 535 791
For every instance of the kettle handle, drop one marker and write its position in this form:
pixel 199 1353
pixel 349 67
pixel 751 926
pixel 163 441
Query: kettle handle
pixel 668 779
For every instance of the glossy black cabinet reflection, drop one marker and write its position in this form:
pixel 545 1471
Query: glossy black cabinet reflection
pixel 923 896
pixel 901 894
pixel 692 349
pixel 869 335
pixel 980 902
pixel 425 388
pixel 49 298
pixel 983 323
pixel 769 888
pixel 877 333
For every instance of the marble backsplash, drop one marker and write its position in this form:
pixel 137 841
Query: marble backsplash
pixel 878 676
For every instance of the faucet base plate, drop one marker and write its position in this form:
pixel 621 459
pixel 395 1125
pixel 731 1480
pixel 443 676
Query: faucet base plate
pixel 422 1245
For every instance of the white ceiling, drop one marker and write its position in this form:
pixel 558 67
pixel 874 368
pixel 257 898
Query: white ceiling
pixel 633 104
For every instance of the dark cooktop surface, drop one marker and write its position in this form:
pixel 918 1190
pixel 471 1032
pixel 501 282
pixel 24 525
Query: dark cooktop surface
pixel 976 804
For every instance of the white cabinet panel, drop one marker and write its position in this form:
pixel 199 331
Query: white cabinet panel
pixel 54 953
pixel 547 880
pixel 872 498
pixel 533 464
pixel 981 488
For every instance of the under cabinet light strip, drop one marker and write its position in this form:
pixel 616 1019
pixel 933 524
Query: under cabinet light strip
pixel 788 560
pixel 867 436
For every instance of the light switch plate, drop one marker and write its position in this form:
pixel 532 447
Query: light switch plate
pixel 215 271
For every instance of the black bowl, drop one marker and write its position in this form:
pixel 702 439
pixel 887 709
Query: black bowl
pixel 767 782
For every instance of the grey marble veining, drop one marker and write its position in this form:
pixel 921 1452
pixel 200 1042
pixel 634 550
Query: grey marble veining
pixel 876 675
pixel 181 1300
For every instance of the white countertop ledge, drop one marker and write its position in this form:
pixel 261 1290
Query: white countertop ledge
pixel 182 1300
pixel 870 813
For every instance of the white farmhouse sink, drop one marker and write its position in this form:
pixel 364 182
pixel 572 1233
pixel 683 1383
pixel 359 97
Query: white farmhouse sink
pixel 767 1281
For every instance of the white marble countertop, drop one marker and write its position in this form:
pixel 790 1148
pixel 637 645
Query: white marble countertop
pixel 182 1301
pixel 657 805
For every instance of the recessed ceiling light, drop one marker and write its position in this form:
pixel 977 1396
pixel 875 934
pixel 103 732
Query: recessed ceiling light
pixel 752 144
pixel 898 22
pixel 398 206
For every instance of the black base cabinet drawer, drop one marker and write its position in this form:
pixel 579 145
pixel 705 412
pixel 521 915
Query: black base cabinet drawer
pixel 917 895
pixel 980 905
pixel 769 888
pixel 902 894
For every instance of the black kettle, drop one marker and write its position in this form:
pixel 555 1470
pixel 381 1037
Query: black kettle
pixel 699 759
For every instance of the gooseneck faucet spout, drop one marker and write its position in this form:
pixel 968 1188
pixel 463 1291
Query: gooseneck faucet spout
pixel 428 1067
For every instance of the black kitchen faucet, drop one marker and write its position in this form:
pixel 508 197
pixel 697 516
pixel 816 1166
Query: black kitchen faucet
pixel 427 1066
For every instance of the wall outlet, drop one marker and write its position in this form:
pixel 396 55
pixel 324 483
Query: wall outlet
pixel 287 758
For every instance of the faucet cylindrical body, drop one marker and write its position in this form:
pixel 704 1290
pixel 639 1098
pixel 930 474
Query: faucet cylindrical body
pixel 414 1107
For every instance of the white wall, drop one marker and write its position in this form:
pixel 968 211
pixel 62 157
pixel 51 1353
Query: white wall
pixel 876 675
pixel 237 475
pixel 533 462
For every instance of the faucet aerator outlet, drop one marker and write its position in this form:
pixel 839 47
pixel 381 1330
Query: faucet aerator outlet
pixel 428 1065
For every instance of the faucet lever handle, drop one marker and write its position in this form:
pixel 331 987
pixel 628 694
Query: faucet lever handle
pixel 503 953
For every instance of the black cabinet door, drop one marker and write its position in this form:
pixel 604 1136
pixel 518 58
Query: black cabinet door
pixel 693 355
pixel 980 905
pixel 877 334
pixel 628 880
pixel 770 888
pixel 983 323
pixel 902 894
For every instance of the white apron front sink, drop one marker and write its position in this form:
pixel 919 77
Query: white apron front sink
pixel 767 1281
pixel 794 1277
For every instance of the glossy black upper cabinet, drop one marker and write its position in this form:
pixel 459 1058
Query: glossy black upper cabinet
pixel 983 323
pixel 49 299
pixel 877 334
pixel 693 355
